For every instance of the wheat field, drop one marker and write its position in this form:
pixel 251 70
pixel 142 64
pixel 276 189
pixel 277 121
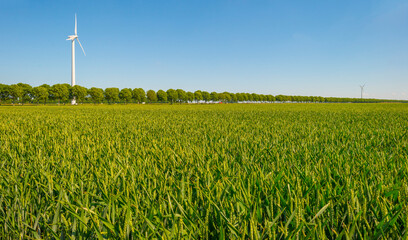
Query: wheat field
pixel 225 171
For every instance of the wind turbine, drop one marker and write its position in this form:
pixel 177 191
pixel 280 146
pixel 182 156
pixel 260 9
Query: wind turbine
pixel 73 38
pixel 362 89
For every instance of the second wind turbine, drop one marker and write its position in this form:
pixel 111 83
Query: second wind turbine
pixel 73 38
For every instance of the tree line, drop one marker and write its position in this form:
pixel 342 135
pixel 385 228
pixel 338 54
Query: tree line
pixel 62 93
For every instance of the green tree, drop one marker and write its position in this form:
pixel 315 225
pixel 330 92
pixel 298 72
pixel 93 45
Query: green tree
pixel 27 92
pixel 60 92
pixel 151 96
pixel 273 99
pixel 69 87
pixel 139 95
pixel 16 93
pixel 182 95
pixel 96 94
pixel 79 93
pixel 112 94
pixel 240 97
pixel 214 97
pixel 48 87
pixel 162 96
pixel 126 95
pixel 255 97
pixel 321 99
pixel 4 93
pixel 227 96
pixel 172 95
pixel 190 96
pixel 248 97
pixel 198 95
pixel 40 94
pixel 234 97
pixel 281 98
pixel 206 96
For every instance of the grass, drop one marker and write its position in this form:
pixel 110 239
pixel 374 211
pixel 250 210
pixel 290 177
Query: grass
pixel 231 171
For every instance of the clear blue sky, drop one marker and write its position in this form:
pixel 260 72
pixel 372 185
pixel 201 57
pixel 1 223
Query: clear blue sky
pixel 324 48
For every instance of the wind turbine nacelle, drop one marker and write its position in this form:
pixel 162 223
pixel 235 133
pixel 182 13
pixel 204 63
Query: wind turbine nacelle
pixel 72 37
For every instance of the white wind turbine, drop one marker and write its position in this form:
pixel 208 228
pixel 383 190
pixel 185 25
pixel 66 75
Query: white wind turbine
pixel 72 38
pixel 362 90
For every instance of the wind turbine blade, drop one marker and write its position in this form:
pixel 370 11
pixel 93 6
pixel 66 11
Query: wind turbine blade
pixel 81 46
pixel 75 25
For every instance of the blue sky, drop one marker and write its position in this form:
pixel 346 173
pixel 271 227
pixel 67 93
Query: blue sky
pixel 324 48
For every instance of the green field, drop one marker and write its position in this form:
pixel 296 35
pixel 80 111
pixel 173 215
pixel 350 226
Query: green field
pixel 227 171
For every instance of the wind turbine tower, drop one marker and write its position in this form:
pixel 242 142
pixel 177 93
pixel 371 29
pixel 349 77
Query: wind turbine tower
pixel 362 89
pixel 73 38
